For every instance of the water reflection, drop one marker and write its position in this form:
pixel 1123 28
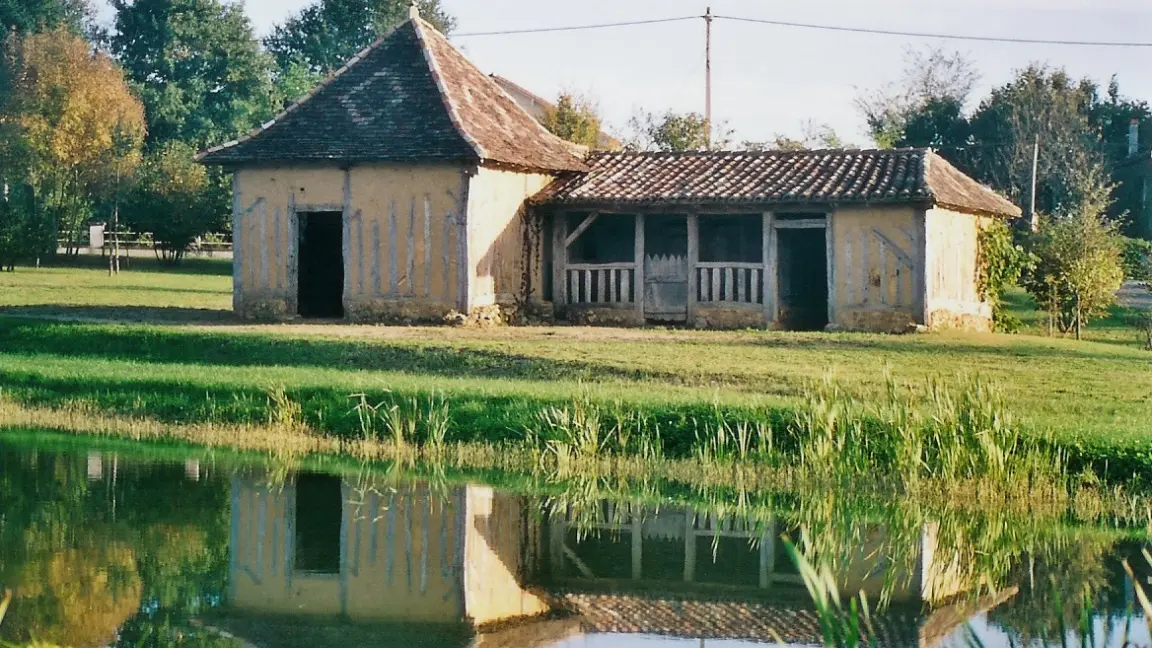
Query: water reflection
pixel 106 550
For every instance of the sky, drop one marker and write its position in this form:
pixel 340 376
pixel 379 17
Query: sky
pixel 770 80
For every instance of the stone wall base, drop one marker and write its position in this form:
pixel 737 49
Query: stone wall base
pixel 951 320
pixel 397 311
pixel 877 321
pixel 267 309
pixel 728 318
pixel 624 317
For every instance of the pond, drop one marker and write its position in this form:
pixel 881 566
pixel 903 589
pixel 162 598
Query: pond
pixel 123 547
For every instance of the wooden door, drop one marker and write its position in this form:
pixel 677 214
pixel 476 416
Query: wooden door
pixel 666 268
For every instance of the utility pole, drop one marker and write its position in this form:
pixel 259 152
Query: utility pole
pixel 1032 201
pixel 708 78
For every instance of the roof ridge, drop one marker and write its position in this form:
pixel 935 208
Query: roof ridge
pixel 924 174
pixel 305 98
pixel 438 76
pixel 500 88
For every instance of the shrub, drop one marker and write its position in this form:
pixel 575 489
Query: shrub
pixel 1001 262
pixel 1137 259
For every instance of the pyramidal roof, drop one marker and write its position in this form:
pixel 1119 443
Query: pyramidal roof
pixel 409 97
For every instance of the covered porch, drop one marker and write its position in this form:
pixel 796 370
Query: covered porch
pixel 698 267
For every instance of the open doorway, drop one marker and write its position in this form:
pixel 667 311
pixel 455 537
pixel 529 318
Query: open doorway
pixel 802 266
pixel 319 516
pixel 321 265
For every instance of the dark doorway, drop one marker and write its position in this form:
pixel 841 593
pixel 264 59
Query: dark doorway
pixel 319 514
pixel 802 266
pixel 321 266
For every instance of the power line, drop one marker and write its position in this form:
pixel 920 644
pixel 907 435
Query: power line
pixel 541 30
pixel 823 27
pixel 912 34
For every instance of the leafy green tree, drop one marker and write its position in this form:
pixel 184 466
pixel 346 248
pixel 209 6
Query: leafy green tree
pixel 24 16
pixel 575 119
pixel 1079 264
pixel 174 200
pixel 326 34
pixel 197 67
pixel 672 131
pixel 67 119
pixel 1002 261
pixel 1039 103
pixel 814 136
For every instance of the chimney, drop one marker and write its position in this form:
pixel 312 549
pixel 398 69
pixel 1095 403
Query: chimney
pixel 413 10
pixel 1133 137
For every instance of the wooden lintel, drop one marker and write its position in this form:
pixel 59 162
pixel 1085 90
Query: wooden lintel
pixel 591 218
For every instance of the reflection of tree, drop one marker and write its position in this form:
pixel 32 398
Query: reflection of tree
pixel 1070 577
pixel 74 597
pixel 83 557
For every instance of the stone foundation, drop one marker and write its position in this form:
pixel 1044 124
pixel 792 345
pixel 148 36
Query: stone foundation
pixel 951 320
pixel 624 317
pixel 877 321
pixel 268 309
pixel 397 311
pixel 728 318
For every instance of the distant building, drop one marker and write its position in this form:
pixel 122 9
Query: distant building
pixel 411 187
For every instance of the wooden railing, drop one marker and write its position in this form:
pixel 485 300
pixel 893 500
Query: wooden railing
pixel 601 283
pixel 730 283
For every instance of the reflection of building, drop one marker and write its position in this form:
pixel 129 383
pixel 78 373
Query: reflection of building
pixel 322 545
pixel 677 572
pixel 358 552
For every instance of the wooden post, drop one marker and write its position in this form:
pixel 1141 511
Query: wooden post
pixel 830 261
pixel 559 260
pixel 637 545
pixel 689 545
pixel 770 275
pixel 693 260
pixel 638 255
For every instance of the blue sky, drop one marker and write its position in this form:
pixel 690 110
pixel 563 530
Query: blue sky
pixel 768 79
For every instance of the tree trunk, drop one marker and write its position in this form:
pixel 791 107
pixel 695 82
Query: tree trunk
pixel 1078 318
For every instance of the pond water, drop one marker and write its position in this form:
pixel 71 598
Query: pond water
pixel 103 548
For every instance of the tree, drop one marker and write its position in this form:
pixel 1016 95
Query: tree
pixel 672 131
pixel 930 74
pixel 23 16
pixel 1039 103
pixel 575 119
pixel 1078 259
pixel 814 136
pixel 197 66
pixel 326 34
pixel 173 199
pixel 67 118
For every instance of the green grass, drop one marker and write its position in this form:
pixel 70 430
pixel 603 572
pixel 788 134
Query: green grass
pixel 1115 328
pixel 198 289
pixel 1095 393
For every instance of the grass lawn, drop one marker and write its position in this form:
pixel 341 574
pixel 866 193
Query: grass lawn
pixel 197 364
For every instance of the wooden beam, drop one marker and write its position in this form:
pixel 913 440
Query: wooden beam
pixel 900 254
pixel 583 227
pixel 638 255
pixel 830 262
pixel 805 223
pixel 693 259
pixel 769 258
pixel 559 260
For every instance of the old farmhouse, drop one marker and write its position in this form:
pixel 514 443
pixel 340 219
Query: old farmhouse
pixel 410 186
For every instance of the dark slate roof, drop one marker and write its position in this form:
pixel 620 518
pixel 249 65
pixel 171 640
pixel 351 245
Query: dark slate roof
pixel 746 177
pixel 409 97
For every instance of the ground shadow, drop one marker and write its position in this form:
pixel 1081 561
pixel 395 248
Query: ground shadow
pixel 74 339
pixel 122 314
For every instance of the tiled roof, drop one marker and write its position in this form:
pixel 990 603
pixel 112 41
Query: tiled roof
pixel 691 618
pixel 745 177
pixel 409 97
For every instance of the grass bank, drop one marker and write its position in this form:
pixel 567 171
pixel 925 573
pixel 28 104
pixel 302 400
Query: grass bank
pixel 188 362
